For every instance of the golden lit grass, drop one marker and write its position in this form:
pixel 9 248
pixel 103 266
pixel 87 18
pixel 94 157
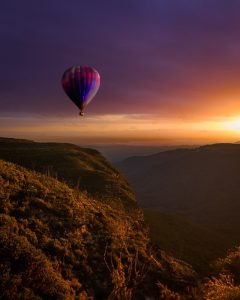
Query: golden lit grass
pixel 59 243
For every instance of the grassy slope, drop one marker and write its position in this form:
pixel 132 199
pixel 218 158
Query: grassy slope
pixel 57 243
pixel 225 285
pixel 83 168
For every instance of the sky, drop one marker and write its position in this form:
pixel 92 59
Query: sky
pixel 170 70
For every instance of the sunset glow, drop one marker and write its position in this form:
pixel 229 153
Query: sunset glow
pixel 168 75
pixel 233 125
pixel 123 128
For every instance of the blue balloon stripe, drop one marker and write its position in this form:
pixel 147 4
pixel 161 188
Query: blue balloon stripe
pixel 89 83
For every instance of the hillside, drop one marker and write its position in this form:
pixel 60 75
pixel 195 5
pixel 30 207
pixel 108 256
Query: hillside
pixel 59 243
pixel 82 168
pixel 195 243
pixel 201 185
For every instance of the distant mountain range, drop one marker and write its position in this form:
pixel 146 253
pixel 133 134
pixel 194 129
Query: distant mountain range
pixel 194 195
pixel 202 183
pixel 117 153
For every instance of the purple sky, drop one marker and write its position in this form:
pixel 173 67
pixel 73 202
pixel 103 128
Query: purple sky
pixel 167 58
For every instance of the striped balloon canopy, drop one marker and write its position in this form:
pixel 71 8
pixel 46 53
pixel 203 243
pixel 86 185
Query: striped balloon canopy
pixel 81 85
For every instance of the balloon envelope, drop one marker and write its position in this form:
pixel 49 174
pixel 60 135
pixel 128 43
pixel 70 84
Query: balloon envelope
pixel 81 85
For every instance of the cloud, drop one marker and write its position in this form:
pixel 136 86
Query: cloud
pixel 124 128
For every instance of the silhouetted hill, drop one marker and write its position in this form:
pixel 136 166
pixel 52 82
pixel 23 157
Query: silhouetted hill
pixel 201 185
pixel 81 168
pixel 59 243
pixel 117 153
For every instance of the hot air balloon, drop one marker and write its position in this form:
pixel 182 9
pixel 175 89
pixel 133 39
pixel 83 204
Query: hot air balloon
pixel 81 85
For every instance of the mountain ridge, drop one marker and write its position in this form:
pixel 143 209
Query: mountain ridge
pixel 200 185
pixel 183 168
